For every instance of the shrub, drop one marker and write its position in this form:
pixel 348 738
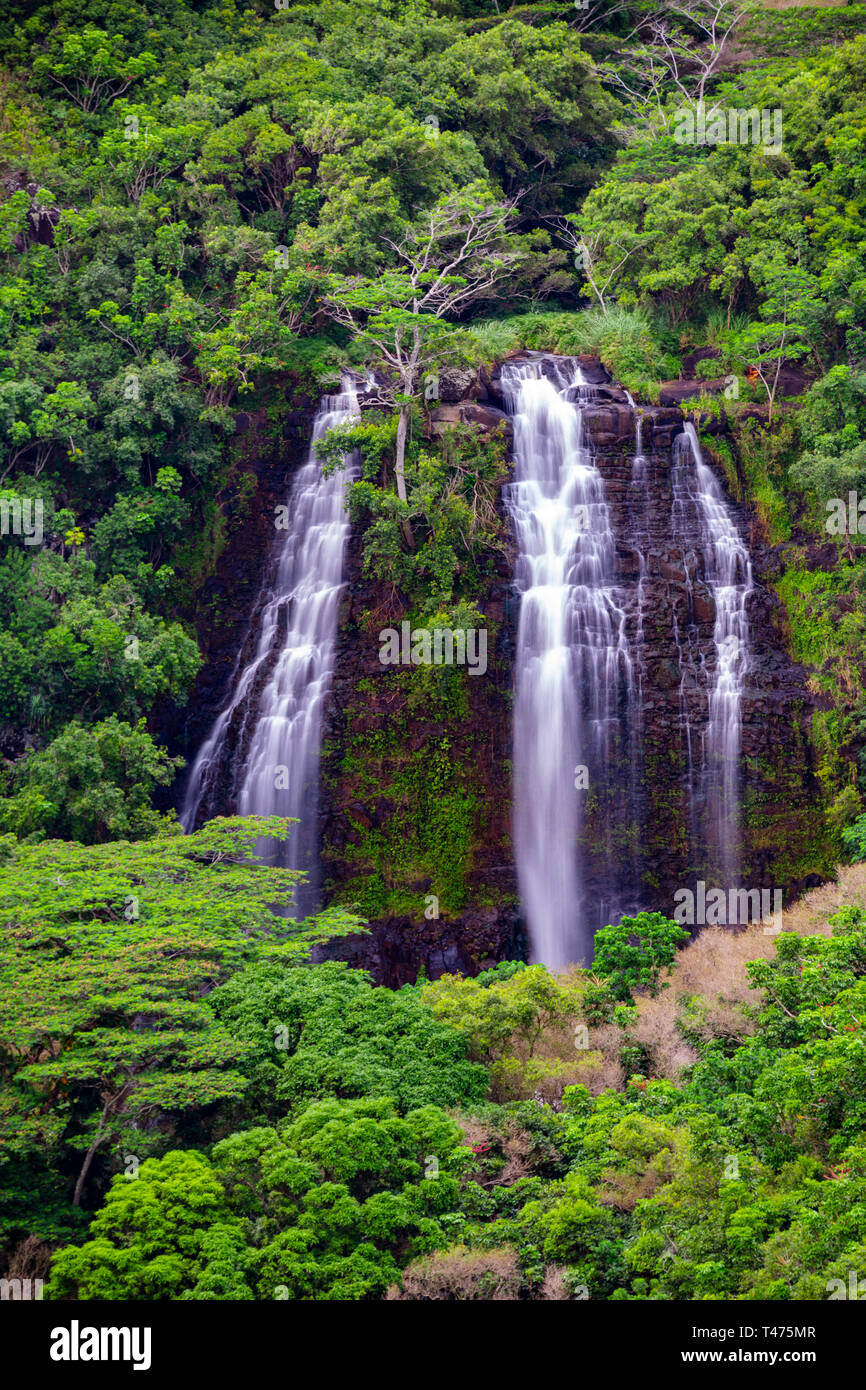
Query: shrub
pixel 635 951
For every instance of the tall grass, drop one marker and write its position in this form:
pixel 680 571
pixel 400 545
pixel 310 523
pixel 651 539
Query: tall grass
pixel 718 330
pixel 623 338
pixel 496 338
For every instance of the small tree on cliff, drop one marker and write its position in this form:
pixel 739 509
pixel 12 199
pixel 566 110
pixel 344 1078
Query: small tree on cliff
pixel 453 256
pixel 832 427
pixel 678 47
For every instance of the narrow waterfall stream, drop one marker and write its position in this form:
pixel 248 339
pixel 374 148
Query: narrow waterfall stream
pixel 574 679
pixel 265 743
pixel 639 530
pixel 727 572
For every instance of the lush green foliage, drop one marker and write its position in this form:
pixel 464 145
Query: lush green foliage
pixel 451 506
pixel 325 1031
pixel 637 950
pixel 751 1170
pixel 107 953
pixel 189 189
pixel 324 1207
pixel 207 208
pixel 91 783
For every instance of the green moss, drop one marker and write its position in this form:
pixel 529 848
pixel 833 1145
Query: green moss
pixel 818 637
pixel 195 559
pixel 764 456
pixel 720 451
pixel 786 831
pixel 667 813
pixel 428 808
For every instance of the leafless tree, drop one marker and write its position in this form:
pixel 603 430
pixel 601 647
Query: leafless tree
pixel 451 257
pixel 589 253
pixel 667 52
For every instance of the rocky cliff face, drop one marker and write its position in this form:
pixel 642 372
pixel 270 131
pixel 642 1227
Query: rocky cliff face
pixel 670 619
pixel 264 457
pixel 416 795
pixel 671 622
pixel 416 778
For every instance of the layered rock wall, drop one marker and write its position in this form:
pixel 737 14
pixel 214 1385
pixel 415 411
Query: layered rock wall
pixel 416 781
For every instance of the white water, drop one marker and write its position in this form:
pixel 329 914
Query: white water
pixel 639 536
pixel 572 661
pixel 728 575
pixel 275 709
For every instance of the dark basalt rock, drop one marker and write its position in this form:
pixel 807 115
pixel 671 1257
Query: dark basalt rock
pixel 487 417
pixel 396 950
pixel 669 616
pixel 41 219
pixel 672 392
pixel 16 742
pixel 690 360
pixel 456 384
pixel 594 371
pixel 661 425
pixel 793 381
pixel 608 425
pixel 670 620
pixel 445 417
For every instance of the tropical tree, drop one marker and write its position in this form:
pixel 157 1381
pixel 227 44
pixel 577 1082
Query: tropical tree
pixel 329 1206
pixel 452 257
pixel 91 783
pixel 106 956
pixel 634 952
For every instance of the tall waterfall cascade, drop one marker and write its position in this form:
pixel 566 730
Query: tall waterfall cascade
pixel 266 740
pixel 574 678
pixel 639 692
pixel 727 572
pixel 633 583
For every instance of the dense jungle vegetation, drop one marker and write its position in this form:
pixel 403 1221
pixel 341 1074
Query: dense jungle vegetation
pixel 208 208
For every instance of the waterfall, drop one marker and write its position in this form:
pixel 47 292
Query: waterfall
pixel 574 682
pixel 640 536
pixel 727 573
pixel 266 740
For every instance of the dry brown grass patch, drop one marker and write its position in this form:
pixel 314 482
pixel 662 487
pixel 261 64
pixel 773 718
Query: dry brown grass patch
pixel 707 989
pixel 459 1275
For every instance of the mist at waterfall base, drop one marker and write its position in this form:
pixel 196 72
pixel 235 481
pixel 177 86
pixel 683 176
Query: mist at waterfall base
pixel 578 685
pixel 262 755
